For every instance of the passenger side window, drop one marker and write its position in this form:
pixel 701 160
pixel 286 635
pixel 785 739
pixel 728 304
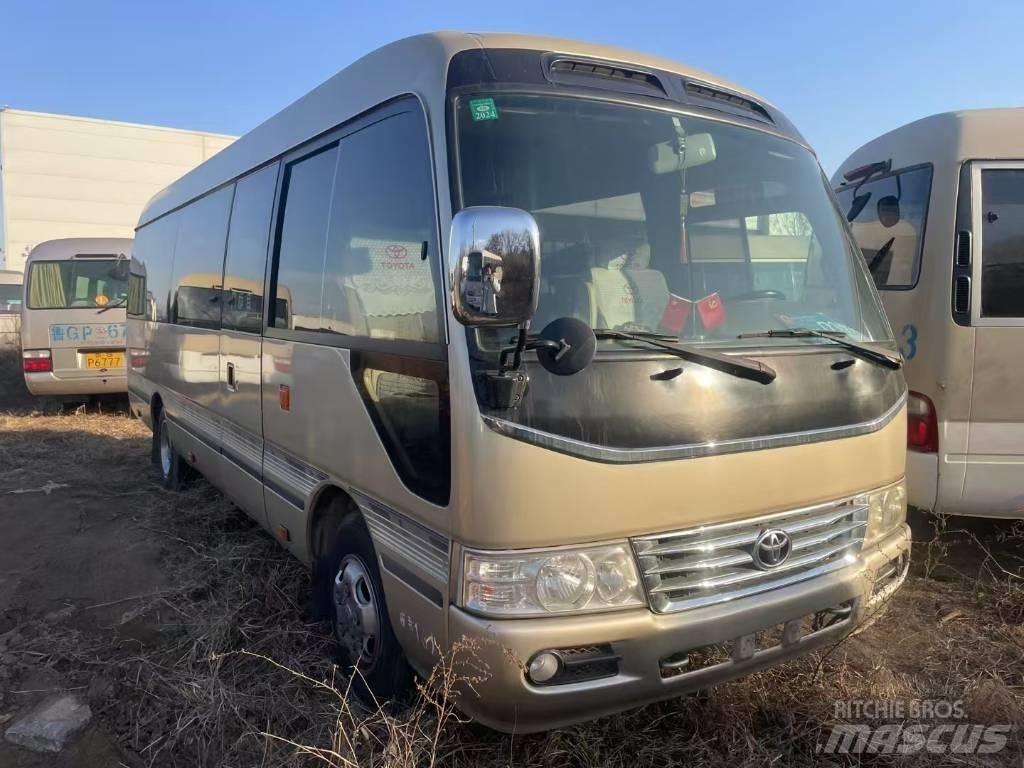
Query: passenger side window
pixel 308 185
pixel 1002 243
pixel 378 278
pixel 153 250
pixel 199 259
pixel 357 236
pixel 246 258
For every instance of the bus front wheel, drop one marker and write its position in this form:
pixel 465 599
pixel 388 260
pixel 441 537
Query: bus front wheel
pixel 359 615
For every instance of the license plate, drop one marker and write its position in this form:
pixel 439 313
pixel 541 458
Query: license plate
pixel 99 360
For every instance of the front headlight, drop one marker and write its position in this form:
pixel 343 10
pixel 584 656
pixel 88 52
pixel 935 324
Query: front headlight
pixel 539 583
pixel 887 509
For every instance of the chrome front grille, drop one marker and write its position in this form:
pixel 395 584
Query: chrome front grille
pixel 715 563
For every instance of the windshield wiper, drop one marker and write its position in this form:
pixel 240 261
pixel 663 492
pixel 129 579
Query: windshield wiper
pixel 880 254
pixel 118 303
pixel 835 336
pixel 741 367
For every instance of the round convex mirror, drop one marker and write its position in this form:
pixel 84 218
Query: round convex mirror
pixel 576 342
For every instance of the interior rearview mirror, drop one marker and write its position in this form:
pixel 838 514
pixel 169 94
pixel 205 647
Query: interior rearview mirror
pixel 495 266
pixel 665 156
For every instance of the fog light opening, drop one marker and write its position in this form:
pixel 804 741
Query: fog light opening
pixel 543 667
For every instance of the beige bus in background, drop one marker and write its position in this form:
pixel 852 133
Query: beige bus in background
pixel 73 317
pixel 937 207
pixel 10 309
pixel 559 348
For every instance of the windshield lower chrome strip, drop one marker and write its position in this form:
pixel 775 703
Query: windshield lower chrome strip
pixel 692 451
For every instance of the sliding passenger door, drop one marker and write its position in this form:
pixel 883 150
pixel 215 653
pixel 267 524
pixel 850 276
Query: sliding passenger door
pixel 995 461
pixel 355 375
pixel 240 364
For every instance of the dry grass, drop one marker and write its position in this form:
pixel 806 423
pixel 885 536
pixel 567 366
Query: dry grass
pixel 236 674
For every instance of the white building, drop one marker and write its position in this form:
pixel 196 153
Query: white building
pixel 65 176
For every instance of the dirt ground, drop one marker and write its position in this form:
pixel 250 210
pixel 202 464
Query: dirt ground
pixel 187 631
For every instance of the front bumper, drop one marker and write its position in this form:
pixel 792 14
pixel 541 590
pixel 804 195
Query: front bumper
pixel 644 642
pixel 50 385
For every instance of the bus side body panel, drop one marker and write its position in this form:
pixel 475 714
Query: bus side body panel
pixel 318 433
pixel 995 457
pixel 240 408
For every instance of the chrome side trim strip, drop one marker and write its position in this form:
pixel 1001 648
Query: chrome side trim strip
pixel 291 473
pixel 239 444
pixel 691 451
pixel 426 549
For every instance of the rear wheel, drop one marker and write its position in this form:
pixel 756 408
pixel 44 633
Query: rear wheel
pixel 359 614
pixel 169 463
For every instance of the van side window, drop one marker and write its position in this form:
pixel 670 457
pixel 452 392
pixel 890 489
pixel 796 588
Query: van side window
pixel 246 259
pixel 1002 243
pixel 199 259
pixel 888 220
pixel 378 275
pixel 308 184
pixel 154 250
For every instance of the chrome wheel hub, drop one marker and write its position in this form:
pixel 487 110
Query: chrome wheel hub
pixel 356 617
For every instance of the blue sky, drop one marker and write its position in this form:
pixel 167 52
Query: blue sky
pixel 843 71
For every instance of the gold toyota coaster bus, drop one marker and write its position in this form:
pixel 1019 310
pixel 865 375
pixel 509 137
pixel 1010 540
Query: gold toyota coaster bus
pixel 561 349
pixel 937 207
pixel 73 317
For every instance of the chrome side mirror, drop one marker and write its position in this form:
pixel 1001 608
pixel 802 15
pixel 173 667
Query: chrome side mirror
pixel 495 266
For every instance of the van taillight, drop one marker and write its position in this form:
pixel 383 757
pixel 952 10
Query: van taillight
pixel 922 424
pixel 36 361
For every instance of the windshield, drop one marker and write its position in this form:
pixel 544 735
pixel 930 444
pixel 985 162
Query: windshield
pixel 663 223
pixel 887 216
pixel 10 298
pixel 77 284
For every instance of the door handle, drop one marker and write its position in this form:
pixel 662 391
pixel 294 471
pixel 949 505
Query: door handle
pixel 231 377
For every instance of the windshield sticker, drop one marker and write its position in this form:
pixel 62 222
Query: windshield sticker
pixel 483 109
pixel 101 300
pixel 74 334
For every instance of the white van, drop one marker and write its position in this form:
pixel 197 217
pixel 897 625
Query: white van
pixel 10 308
pixel 73 317
pixel 937 207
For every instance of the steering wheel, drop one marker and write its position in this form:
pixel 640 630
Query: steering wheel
pixel 768 293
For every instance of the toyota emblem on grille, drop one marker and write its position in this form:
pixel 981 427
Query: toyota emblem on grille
pixel 771 549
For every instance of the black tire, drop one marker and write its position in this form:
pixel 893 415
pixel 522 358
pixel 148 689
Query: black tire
pixel 169 463
pixel 349 568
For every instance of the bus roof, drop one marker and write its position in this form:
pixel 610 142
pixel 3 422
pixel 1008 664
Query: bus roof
pixel 416 65
pixel 69 247
pixel 10 277
pixel 949 137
